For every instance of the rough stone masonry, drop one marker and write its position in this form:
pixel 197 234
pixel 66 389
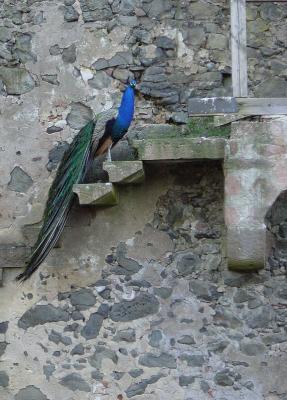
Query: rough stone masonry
pixel 138 304
pixel 143 307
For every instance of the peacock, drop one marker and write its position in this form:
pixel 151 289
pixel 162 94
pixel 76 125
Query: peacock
pixel 72 169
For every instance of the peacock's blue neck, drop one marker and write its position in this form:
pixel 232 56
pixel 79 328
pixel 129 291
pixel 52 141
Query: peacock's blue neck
pixel 125 113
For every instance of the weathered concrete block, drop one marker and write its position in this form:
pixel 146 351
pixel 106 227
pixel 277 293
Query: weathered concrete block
pixel 180 149
pixel 13 255
pixel 100 194
pixel 124 172
pixel 30 233
pixel 255 174
pixel 212 105
pixel 245 248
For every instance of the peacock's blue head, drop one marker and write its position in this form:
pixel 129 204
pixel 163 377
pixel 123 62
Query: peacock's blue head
pixel 133 83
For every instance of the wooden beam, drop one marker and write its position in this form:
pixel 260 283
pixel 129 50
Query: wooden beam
pixel 267 1
pixel 238 106
pixel 262 106
pixel 238 48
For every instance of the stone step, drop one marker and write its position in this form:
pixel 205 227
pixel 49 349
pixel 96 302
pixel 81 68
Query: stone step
pixel 100 194
pixel 124 172
pixel 106 194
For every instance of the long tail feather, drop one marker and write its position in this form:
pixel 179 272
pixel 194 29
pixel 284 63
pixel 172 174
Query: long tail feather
pixel 72 170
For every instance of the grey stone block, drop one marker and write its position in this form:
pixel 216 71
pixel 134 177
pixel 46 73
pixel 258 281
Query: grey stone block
pixel 212 105
pixel 17 80
pixel 75 382
pixel 42 314
pixel 20 181
pixel 79 115
pixel 30 393
pixel 69 54
pixel 164 360
pixel 142 306
pixel 71 14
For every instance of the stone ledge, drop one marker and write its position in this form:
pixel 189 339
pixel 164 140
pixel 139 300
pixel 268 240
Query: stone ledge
pixel 124 172
pixel 100 194
pixel 180 149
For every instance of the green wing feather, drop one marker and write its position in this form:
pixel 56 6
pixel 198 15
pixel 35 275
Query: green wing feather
pixel 72 170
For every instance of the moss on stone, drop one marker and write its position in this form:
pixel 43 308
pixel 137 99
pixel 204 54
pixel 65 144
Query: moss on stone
pixel 245 265
pixel 204 126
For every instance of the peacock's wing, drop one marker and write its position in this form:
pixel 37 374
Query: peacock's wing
pixel 72 170
pixel 102 128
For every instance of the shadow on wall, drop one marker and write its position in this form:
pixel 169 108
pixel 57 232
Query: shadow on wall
pixel 276 234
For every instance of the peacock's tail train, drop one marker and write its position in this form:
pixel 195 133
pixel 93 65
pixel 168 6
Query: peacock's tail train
pixel 71 170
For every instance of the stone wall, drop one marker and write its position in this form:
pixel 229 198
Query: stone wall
pixel 62 62
pixel 138 303
pixel 266 49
